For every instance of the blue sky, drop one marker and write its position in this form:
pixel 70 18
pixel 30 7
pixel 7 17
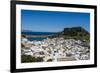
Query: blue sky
pixel 52 21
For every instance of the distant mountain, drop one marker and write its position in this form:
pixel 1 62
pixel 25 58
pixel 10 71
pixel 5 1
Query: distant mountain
pixel 26 31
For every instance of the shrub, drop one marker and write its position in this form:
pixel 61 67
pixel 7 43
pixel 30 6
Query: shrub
pixel 28 58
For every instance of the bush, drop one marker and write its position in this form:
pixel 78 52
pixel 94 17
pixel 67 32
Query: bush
pixel 50 60
pixel 28 58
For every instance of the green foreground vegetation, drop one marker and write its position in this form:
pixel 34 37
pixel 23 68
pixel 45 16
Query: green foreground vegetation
pixel 28 58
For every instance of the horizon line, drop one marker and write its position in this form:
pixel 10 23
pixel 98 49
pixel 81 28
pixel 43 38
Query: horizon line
pixel 52 31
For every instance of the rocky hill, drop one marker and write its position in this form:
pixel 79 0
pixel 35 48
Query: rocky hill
pixel 74 33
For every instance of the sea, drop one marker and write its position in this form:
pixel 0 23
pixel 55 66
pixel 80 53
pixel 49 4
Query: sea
pixel 37 34
pixel 36 39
